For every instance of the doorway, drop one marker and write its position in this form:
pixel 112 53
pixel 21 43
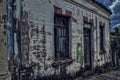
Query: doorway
pixel 87 49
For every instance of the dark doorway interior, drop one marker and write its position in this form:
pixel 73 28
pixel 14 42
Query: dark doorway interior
pixel 87 49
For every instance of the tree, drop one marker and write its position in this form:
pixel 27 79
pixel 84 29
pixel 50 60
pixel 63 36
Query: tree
pixel 115 45
pixel 116 37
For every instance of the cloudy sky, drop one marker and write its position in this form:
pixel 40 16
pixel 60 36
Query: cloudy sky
pixel 114 6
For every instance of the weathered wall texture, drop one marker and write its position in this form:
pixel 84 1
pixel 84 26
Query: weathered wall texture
pixel 37 35
pixel 2 6
pixel 3 43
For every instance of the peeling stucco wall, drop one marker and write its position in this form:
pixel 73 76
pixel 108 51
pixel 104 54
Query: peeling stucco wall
pixel 37 35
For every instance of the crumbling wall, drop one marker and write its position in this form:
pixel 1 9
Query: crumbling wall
pixel 25 41
pixel 37 36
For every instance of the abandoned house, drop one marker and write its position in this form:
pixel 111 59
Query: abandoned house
pixel 61 37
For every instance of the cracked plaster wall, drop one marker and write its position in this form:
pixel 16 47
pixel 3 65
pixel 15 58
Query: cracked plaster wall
pixel 37 35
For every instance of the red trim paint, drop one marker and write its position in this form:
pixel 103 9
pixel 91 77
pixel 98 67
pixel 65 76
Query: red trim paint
pixel 57 10
pixel 85 19
pixel 68 13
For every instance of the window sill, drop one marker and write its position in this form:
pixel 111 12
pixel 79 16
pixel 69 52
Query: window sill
pixel 61 62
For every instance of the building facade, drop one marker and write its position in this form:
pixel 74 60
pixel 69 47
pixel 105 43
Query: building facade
pixel 58 38
pixel 4 74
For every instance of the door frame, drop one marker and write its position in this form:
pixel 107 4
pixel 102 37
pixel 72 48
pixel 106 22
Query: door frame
pixel 91 58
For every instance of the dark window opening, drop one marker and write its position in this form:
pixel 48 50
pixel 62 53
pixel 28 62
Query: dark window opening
pixel 61 36
pixel 101 37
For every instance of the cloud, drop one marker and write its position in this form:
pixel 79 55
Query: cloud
pixel 115 18
pixel 116 25
pixel 114 4
pixel 106 3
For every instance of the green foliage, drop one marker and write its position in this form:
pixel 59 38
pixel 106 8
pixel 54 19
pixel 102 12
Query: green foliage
pixel 115 38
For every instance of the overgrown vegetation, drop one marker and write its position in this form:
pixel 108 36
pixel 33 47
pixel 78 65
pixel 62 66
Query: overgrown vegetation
pixel 115 38
pixel 115 44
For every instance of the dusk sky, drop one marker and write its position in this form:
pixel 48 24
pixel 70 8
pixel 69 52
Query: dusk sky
pixel 114 6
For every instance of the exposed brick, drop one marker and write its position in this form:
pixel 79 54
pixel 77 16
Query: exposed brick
pixel 39 28
pixel 57 10
pixel 85 19
pixel 68 13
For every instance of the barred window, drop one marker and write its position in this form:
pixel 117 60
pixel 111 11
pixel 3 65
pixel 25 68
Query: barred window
pixel 61 36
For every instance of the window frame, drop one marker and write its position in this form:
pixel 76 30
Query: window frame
pixel 67 52
pixel 102 39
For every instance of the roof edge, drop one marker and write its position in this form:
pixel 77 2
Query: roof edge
pixel 102 6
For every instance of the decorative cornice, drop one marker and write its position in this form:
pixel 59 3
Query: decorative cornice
pixel 88 9
pixel 100 6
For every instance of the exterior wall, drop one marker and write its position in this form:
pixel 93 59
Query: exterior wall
pixel 3 41
pixel 37 35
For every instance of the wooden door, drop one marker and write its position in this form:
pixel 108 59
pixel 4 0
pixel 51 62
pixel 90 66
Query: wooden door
pixel 87 48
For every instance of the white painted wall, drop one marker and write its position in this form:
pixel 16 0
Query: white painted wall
pixel 41 13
